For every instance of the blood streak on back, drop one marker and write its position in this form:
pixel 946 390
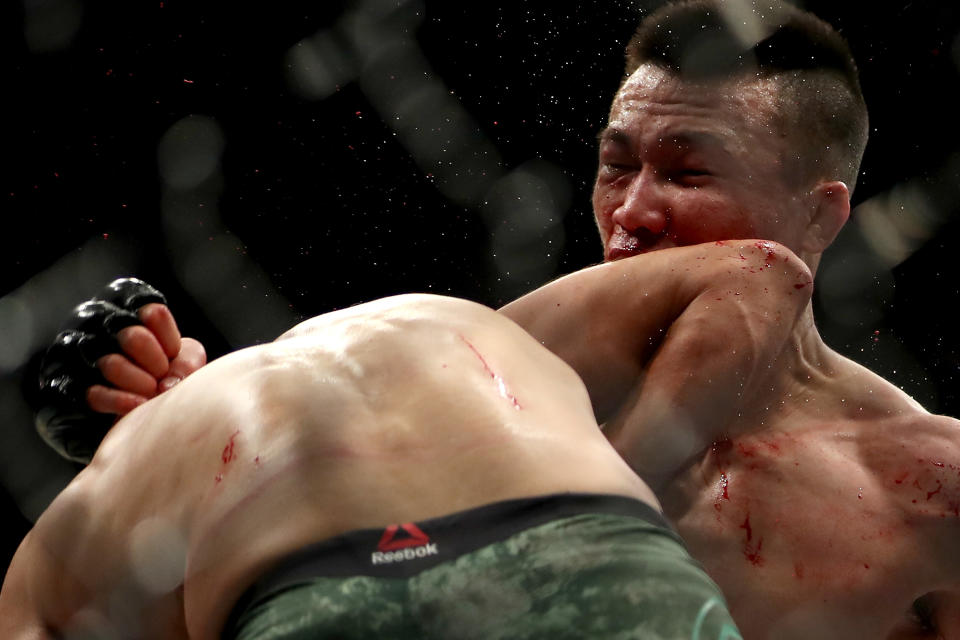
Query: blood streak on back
pixel 501 385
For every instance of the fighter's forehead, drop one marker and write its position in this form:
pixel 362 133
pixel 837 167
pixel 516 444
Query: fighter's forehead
pixel 654 97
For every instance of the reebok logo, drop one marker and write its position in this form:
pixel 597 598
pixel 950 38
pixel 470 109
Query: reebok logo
pixel 415 544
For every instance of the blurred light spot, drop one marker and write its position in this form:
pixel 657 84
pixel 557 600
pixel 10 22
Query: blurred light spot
pixel 189 152
pixel 524 211
pixel 210 267
pixel 233 291
pixel 30 470
pixel 90 624
pixel 854 284
pixel 743 20
pixel 438 132
pixel 897 222
pixel 51 25
pixel 955 50
pixel 16 329
pixel 158 555
pixel 318 65
pixel 402 13
pixel 369 16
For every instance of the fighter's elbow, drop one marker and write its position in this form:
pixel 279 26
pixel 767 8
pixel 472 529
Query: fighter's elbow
pixel 774 267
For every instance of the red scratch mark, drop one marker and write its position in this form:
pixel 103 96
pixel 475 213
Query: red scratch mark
pixel 753 555
pixel 228 453
pixel 750 552
pixel 501 385
pixel 723 494
pixel 930 494
pixel 185 81
pixel 903 476
pixel 218 478
pixel 798 571
pixel 771 254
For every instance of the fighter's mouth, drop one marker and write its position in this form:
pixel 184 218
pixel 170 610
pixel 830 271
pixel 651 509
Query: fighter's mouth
pixel 624 245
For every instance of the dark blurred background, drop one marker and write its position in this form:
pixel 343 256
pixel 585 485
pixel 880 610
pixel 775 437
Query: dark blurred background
pixel 266 164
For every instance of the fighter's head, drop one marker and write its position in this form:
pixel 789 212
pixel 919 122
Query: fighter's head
pixel 735 119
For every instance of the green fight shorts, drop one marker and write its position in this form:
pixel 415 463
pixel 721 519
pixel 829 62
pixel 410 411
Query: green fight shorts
pixel 559 566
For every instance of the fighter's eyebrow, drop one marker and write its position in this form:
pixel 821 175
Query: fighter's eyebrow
pixel 698 140
pixel 614 135
pixel 692 139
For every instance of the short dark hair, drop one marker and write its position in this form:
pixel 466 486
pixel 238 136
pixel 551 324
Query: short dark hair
pixel 819 98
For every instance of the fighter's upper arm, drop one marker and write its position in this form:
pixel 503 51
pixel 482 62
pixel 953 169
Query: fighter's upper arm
pixel 604 321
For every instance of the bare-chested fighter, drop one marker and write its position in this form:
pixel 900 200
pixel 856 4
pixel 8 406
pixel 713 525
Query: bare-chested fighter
pixel 413 467
pixel 827 506
pixel 832 507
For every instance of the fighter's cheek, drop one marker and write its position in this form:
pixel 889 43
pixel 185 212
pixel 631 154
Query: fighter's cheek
pixel 605 203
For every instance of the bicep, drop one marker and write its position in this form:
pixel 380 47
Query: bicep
pixel 604 321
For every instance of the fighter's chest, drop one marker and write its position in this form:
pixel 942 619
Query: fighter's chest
pixel 796 505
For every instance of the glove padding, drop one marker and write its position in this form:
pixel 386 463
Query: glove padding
pixel 69 368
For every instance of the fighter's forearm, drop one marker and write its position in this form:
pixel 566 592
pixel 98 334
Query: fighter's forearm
pixel 601 321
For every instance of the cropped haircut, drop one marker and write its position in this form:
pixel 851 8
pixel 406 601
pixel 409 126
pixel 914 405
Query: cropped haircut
pixel 819 103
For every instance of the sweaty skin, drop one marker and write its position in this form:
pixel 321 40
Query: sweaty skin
pixel 822 500
pixel 828 506
pixel 394 411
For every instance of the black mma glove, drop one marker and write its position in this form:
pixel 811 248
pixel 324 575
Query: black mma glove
pixel 64 420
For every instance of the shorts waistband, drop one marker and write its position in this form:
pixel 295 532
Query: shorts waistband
pixel 406 549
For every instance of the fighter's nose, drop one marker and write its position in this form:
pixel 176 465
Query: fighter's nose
pixel 644 209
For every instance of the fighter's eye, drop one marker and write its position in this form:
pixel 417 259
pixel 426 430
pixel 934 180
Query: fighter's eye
pixel 692 172
pixel 922 614
pixel 691 176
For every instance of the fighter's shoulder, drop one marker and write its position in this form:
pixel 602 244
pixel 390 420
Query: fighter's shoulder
pixel 893 410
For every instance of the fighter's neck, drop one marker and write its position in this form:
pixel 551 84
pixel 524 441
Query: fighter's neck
pixel 815 381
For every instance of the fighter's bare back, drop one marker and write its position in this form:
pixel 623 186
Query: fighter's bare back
pixel 394 411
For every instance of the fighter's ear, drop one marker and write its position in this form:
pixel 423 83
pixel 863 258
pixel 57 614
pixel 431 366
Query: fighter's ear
pixel 831 202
